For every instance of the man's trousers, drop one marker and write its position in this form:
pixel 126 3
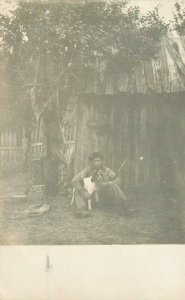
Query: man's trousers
pixel 106 194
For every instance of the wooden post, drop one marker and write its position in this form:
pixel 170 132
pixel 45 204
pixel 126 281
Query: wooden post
pixel 10 143
pixel 2 151
pixel 25 149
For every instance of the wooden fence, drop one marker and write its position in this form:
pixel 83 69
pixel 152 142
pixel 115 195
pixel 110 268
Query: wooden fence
pixel 11 152
pixel 38 145
pixel 14 149
pixel 37 151
pixel 147 131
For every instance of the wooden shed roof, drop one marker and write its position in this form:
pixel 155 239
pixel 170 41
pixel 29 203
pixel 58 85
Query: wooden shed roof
pixel 166 74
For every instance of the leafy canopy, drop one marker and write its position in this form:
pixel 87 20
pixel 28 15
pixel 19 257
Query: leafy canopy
pixel 75 35
pixel 179 18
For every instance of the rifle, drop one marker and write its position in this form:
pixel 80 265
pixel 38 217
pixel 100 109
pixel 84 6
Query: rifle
pixel 91 183
pixel 119 169
pixel 116 174
pixel 121 166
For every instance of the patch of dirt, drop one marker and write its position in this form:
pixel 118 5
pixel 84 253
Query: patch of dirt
pixel 156 220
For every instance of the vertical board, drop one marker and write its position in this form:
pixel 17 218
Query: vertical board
pixel 83 143
pixel 148 132
pixel 11 154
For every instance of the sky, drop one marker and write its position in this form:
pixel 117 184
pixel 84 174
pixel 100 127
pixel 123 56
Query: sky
pixel 166 6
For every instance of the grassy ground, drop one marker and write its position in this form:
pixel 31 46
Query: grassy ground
pixel 157 220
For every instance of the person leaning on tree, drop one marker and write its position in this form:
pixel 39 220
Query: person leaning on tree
pixel 108 189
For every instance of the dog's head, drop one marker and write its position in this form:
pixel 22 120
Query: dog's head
pixel 96 177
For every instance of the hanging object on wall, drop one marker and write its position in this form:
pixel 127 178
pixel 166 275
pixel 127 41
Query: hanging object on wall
pixel 97 124
pixel 100 123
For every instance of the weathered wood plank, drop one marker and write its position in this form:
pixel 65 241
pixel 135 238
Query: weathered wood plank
pixel 14 143
pixel 139 73
pixel 11 154
pixel 81 137
pixel 2 139
pixel 36 144
pixel 164 69
pixel 10 143
pixel 10 148
pixel 117 115
pixel 149 75
pixel 157 75
pixel 148 133
pixel 109 146
pixel 142 141
pixel 123 82
pixel 109 83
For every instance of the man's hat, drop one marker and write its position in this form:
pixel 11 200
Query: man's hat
pixel 96 155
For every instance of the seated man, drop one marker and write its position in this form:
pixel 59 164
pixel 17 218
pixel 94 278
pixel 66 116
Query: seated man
pixel 108 186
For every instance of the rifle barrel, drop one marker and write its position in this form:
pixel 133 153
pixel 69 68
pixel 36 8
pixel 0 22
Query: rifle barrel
pixel 121 166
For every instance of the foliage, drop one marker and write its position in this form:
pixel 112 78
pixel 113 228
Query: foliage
pixel 179 18
pixel 70 37
pixel 74 33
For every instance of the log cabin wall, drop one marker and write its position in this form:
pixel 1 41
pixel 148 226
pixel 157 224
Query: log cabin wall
pixel 147 130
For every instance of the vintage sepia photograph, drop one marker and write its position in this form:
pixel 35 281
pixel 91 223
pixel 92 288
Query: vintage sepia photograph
pixel 92 122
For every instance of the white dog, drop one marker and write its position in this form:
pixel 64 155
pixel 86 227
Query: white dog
pixel 91 187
